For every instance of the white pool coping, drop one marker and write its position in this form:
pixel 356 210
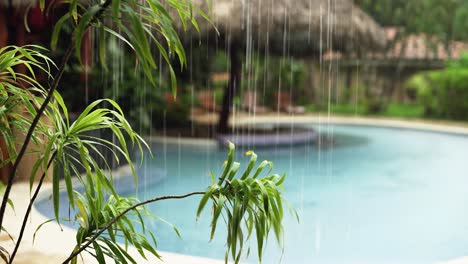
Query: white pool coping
pixel 47 250
pixel 323 119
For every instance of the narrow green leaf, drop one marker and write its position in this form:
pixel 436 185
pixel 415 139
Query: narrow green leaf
pixel 102 48
pixel 56 193
pixel 173 82
pixel 57 29
pixel 39 227
pixel 99 255
pixel 233 171
pixel 204 200
pixel 228 163
pixel 11 204
pixel 82 26
pixel 261 167
pixel 253 160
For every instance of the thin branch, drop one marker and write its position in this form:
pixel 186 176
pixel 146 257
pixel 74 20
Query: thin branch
pixel 28 211
pixel 109 224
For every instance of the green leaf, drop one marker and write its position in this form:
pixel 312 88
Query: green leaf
pixel 116 10
pixel 253 160
pixel 99 255
pixel 117 252
pixel 56 193
pixel 57 29
pixel 11 204
pixel 234 168
pixel 102 48
pixel 172 226
pixel 82 26
pixel 205 199
pixel 39 227
pixel 119 36
pixel 228 163
pixel 249 203
pixel 219 204
pixel 42 4
pixel 261 167
pixel 173 82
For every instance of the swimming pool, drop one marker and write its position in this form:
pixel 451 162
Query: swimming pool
pixel 373 195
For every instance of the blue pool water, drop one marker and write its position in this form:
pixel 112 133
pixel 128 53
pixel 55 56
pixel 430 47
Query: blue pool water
pixel 374 195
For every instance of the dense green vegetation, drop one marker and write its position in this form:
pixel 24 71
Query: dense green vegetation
pixel 397 110
pixel 443 93
pixel 447 19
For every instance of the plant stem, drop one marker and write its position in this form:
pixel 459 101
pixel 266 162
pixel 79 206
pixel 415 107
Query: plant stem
pixel 28 211
pixel 155 199
pixel 50 93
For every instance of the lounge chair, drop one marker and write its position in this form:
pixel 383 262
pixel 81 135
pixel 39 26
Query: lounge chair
pixel 250 103
pixel 285 104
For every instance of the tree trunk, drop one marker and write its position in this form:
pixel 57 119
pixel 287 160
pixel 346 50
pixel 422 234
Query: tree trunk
pixel 231 88
pixel 310 91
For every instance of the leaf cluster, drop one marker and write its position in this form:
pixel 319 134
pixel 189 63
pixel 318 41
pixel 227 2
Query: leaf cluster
pixel 70 146
pixel 66 146
pixel 20 94
pixel 141 25
pixel 246 203
pixel 125 228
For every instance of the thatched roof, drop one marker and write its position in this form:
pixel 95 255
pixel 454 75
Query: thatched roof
pixel 413 47
pixel 291 26
pixel 419 47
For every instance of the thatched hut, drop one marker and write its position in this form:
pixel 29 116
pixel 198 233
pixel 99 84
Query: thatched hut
pixel 282 27
pixel 304 27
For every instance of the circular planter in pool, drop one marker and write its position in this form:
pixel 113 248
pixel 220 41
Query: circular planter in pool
pixel 269 137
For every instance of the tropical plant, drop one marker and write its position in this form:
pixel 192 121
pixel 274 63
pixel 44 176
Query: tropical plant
pixel 249 203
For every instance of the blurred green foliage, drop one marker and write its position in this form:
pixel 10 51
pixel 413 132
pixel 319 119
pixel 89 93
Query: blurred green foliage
pixel 146 106
pixel 268 76
pixel 447 19
pixel 220 62
pixel 404 110
pixel 400 110
pixel 443 93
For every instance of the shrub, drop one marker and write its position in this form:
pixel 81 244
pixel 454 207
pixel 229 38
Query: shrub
pixel 443 93
pixel 404 110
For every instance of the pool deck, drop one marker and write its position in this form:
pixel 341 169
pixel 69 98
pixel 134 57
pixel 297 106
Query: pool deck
pixel 52 243
pixel 244 119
